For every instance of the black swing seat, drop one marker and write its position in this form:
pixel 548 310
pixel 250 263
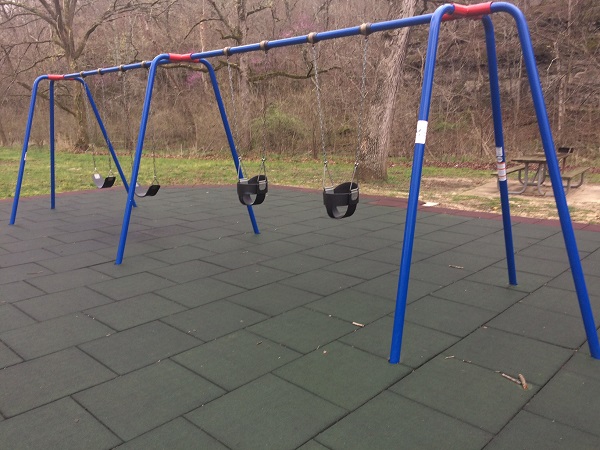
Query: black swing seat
pixel 345 194
pixel 103 183
pixel 257 186
pixel 141 191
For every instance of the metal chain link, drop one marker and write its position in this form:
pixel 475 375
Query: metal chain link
pixel 363 94
pixel 234 127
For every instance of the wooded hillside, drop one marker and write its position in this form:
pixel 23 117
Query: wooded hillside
pixel 275 93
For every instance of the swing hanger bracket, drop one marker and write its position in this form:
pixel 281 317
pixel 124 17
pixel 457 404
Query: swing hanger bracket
pixel 313 37
pixel 365 29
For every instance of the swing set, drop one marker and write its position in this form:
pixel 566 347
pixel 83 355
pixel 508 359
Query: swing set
pixel 252 190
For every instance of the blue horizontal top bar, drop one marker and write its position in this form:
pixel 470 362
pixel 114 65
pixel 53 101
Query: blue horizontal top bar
pixel 285 42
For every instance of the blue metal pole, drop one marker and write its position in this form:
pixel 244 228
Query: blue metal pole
pixel 554 173
pixel 230 140
pixel 490 41
pixel 415 183
pixel 52 149
pixel 104 133
pixel 15 205
pixel 135 167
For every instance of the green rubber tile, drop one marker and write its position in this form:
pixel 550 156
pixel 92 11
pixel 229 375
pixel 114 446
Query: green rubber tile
pixel 237 259
pixel 179 241
pixel 178 434
pixel 252 276
pixel 472 229
pixel 78 247
pixel 565 281
pixel 22 272
pixel 570 398
pixel 583 364
pixel 559 301
pixel 296 263
pixel 535 231
pixel 218 246
pixel 236 359
pixel 138 347
pixel 132 285
pixel 267 413
pixel 527 282
pixel 72 262
pixel 199 292
pixel 180 254
pixel 312 240
pixel 346 233
pixel 546 252
pixel 481 295
pixel 169 230
pixel 389 255
pixel 78 236
pixel 468 392
pixel 273 299
pixel 188 271
pixel 11 318
pixel 130 265
pixel 140 401
pixel 215 319
pixel 34 383
pixel 133 248
pixel 29 256
pixel 62 424
pixel 445 220
pixel 8 357
pixel 554 328
pixel 419 344
pixel 391 421
pixel 343 375
pixel 456 259
pixel 334 252
pixel 302 329
pixel 429 247
pixel 529 264
pixel 274 249
pixel 442 275
pixel 353 306
pixel 134 311
pixel 322 282
pixel 447 237
pixel 386 286
pixel 450 317
pixel 61 303
pixel 506 352
pixel 68 280
pixel 312 445
pixel 482 248
pixel 366 243
pixel 52 335
pixel 362 268
pixel 528 430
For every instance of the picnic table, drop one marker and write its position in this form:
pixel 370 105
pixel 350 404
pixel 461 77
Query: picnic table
pixel 533 172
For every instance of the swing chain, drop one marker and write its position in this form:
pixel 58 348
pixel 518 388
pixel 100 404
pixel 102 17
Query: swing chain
pixel 234 128
pixel 264 45
pixel 326 173
pixel 364 30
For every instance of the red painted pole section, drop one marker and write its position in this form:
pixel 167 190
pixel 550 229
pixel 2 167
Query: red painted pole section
pixel 180 57
pixel 55 77
pixel 469 11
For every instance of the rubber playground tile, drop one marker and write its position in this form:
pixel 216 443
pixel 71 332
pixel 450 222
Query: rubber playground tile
pixel 237 258
pixel 62 424
pixel 554 328
pixel 427 246
pixel 78 236
pixel 130 286
pixel 79 247
pixel 322 282
pixel 72 262
pixel 391 421
pixel 442 275
pixel 133 248
pixel 68 280
pixel 273 299
pixel 277 248
pixel 334 252
pixel 345 233
pixel 60 303
pixel 565 281
pixel 218 246
pixel 30 243
pixel 253 276
pixel 527 282
pixel 236 359
pixel 296 263
pixel 444 220
pixel 511 354
pixel 472 228
pixel 342 375
pixel 52 335
pixel 8 357
pixel 28 256
pixel 447 237
pixel 177 434
pixel 353 306
pixel 21 272
pixel 188 271
pixel 386 286
pixel 450 317
pixel 366 243
pixel 455 388
pixel 481 295
pixel 569 398
pixel 458 260
pixel 303 330
pixel 180 254
pixel 140 401
pixel 43 380
pixel 248 416
pixel 214 320
pixel 199 292
pixel 530 264
pixel 528 430
pixel 419 344
pixel 545 252
pixel 312 240
pixel 11 318
pixel 362 268
pixel 129 266
pixel 558 300
pixel 166 230
pixel 138 347
pixel 134 311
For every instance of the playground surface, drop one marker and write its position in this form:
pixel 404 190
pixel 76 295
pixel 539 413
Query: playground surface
pixel 209 336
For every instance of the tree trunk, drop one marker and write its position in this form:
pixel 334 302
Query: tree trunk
pixel 375 147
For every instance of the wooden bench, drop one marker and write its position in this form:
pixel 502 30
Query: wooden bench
pixel 573 173
pixel 510 170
